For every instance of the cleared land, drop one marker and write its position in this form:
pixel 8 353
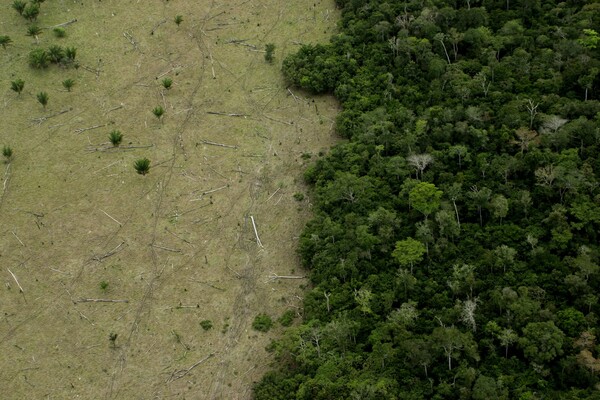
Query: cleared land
pixel 169 249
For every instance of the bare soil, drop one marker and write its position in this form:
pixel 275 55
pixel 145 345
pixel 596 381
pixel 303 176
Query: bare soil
pixel 98 249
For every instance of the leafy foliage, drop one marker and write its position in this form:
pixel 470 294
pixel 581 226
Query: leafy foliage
pixel 472 155
pixel 5 41
pixel 7 152
pixel 142 166
pixel 39 59
pixel 262 323
pixel 17 85
pixel 68 84
pixel 42 98
pixel 115 137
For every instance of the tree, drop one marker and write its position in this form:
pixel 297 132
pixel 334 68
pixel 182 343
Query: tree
pixel 481 198
pixel 420 162
pixel 178 19
pixel 453 342
pixel 142 166
pixel 507 337
pixel 42 98
pixel 56 53
pixel 499 207
pixel 5 40
pixel 408 252
pixel 17 85
pixel 425 197
pixel 167 83
pixel 542 341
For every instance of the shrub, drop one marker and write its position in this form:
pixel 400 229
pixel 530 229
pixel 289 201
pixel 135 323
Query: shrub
pixel 167 83
pixel 142 166
pixel 39 59
pixel 270 49
pixel 70 53
pixel 206 324
pixel 104 286
pixel 178 20
pixel 68 84
pixel 34 31
pixel 42 98
pixel 287 318
pixel 56 53
pixel 17 85
pixel 59 32
pixel 4 40
pixel 299 196
pixel 115 137
pixel 7 153
pixel 262 323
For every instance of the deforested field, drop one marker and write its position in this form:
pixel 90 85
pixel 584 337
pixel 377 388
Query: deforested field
pixel 117 285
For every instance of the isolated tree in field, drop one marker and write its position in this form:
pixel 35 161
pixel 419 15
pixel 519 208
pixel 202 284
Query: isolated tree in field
pixel 142 166
pixel 34 31
pixel 5 40
pixel 167 83
pixel 115 137
pixel 269 50
pixel 31 12
pixel 178 19
pixel 408 252
pixel 7 153
pixel 39 59
pixel 42 98
pixel 68 84
pixel 158 112
pixel 19 6
pixel 426 198
pixel 17 85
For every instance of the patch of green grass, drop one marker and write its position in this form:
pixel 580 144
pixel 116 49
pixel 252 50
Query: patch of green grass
pixel 262 323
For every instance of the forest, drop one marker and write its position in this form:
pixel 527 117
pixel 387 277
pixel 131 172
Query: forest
pixel 453 252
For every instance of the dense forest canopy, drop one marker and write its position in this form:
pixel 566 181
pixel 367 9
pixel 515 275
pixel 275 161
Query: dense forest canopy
pixel 454 250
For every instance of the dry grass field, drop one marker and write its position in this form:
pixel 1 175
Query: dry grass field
pixel 89 248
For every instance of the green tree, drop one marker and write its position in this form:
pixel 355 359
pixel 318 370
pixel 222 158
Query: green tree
pixel 68 84
pixel 542 342
pixel 425 197
pixel 178 19
pixel 115 137
pixel 34 31
pixel 31 12
pixel 7 153
pixel 38 58
pixel 453 342
pixel 269 50
pixel 19 6
pixel 408 252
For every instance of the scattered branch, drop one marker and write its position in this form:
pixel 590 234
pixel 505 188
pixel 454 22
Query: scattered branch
pixel 183 372
pixel 16 281
pixel 218 144
pixel 40 120
pixel 109 216
pixel 256 232
pixel 110 253
pixel 22 244
pixel 159 23
pixel 99 301
pixel 166 248
pixel 63 24
pixel 81 130
pixel 274 277
pixel 227 114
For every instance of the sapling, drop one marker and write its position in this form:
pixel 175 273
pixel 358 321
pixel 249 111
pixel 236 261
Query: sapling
pixel 68 84
pixel 178 19
pixel 56 53
pixel 34 31
pixel 19 6
pixel 112 337
pixel 70 53
pixel 158 112
pixel 5 40
pixel 142 166
pixel 167 83
pixel 17 85
pixel 31 12
pixel 115 137
pixel 7 153
pixel 42 98
pixel 269 50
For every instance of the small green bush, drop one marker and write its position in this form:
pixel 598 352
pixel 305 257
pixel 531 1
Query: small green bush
pixel 59 32
pixel 178 19
pixel 7 153
pixel 287 318
pixel 115 137
pixel 167 83
pixel 19 6
pixel 31 12
pixel 5 40
pixel 206 324
pixel 158 112
pixel 269 50
pixel 262 323
pixel 298 196
pixel 42 98
pixel 68 84
pixel 142 166
pixel 38 58
pixel 17 85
